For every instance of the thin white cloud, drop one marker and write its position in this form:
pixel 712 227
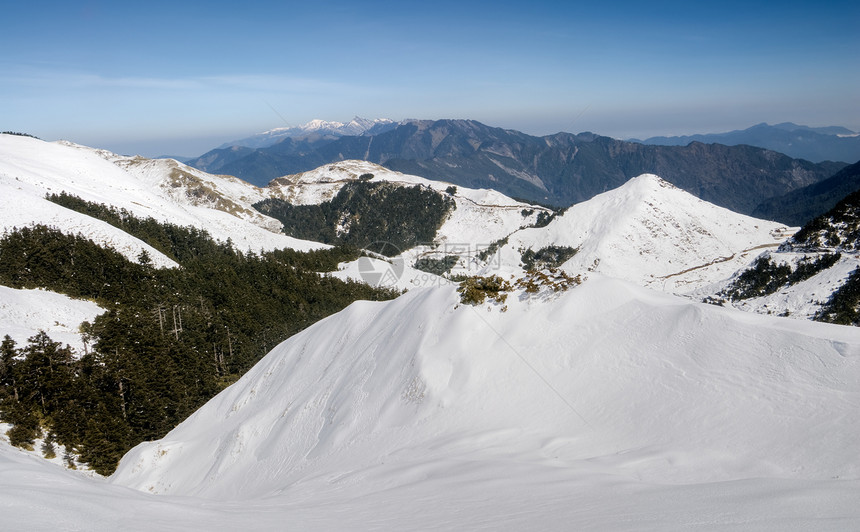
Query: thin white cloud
pixel 275 83
pixel 88 80
pixel 45 79
pixel 71 80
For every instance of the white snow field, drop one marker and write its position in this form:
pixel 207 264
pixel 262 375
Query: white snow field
pixel 609 407
pixel 164 189
pixel 23 313
pixel 646 231
pixel 654 234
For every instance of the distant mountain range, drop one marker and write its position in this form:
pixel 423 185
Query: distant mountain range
pixel 558 170
pixel 801 205
pixel 317 129
pixel 814 144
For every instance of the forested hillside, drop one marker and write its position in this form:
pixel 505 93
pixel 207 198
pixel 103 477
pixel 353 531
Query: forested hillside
pixel 814 273
pixel 171 338
pixel 366 215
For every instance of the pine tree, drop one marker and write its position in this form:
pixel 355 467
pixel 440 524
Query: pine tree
pixel 8 386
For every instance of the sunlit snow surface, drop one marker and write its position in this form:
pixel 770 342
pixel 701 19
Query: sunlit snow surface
pixel 646 231
pixel 23 313
pixel 654 234
pixel 162 189
pixel 610 407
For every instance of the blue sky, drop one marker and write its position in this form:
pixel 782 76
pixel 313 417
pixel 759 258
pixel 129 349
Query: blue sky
pixel 180 78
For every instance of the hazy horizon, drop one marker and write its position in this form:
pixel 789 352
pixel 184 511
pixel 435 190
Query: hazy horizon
pixel 177 79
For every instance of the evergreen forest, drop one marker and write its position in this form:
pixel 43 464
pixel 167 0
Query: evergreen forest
pixel 170 338
pixel 766 277
pixel 381 217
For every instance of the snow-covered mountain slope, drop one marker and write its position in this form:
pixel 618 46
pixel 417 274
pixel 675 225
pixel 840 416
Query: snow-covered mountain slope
pixel 828 248
pixel 651 233
pixel 553 414
pixel 356 126
pixel 647 231
pixel 23 203
pixel 165 190
pixel 38 495
pixel 480 218
pixel 201 191
pixel 23 313
pixel 481 215
pixel 800 300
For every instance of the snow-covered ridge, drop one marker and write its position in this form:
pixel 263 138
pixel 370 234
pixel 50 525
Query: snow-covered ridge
pixel 163 189
pixel 606 390
pixel 654 234
pixel 646 231
pixel 480 216
pixel 832 241
pixel 323 183
pixel 185 184
pixel 166 190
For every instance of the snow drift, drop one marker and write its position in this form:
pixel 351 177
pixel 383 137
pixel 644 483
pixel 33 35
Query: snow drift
pixel 609 388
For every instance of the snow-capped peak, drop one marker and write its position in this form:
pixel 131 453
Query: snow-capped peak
pixel 652 233
pixel 317 124
pixel 356 126
pixel 364 123
pixel 360 125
